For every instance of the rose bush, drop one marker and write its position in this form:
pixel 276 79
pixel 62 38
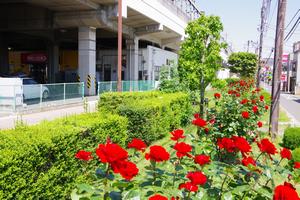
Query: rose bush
pixel 225 159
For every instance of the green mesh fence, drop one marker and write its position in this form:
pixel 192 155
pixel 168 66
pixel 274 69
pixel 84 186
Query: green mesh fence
pixel 112 86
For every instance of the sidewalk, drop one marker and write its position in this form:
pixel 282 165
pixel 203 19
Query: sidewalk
pixel 290 103
pixel 8 121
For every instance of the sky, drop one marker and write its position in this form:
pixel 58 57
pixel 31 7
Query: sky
pixel 241 20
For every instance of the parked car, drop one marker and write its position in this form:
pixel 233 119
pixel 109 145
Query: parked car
pixel 33 90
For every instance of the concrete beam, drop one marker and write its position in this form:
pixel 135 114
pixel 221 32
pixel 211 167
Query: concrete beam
pixel 165 42
pixel 100 18
pixel 145 30
pixel 89 3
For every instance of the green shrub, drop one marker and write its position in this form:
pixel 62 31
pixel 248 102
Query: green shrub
pixel 219 84
pixel 296 155
pixel 38 162
pixel 150 119
pixel 291 138
pixel 231 80
pixel 150 114
pixel 112 100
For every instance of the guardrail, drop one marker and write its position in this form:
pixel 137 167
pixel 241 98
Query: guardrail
pixel 186 9
pixel 112 86
pixel 25 97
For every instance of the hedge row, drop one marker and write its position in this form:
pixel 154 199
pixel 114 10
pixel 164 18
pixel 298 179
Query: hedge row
pixel 150 115
pixel 38 162
pixel 291 138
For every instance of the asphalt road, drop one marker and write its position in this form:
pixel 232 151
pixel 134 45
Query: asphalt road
pixel 290 102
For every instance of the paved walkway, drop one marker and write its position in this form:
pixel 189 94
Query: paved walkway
pixel 8 121
pixel 290 103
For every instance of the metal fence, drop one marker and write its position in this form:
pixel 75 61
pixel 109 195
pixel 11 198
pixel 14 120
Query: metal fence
pixel 112 86
pixel 26 97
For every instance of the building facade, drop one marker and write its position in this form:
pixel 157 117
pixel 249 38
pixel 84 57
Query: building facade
pixel 69 40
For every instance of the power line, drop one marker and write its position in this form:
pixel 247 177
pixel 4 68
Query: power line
pixel 288 36
pixel 293 18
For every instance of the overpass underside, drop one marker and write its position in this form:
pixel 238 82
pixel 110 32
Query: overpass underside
pixel 62 40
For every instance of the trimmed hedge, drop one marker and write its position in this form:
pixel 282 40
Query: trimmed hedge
pixel 110 101
pixel 291 138
pixel 38 162
pixel 296 155
pixel 150 115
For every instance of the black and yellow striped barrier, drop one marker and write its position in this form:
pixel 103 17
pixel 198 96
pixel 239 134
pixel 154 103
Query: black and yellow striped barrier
pixel 88 82
pixel 78 78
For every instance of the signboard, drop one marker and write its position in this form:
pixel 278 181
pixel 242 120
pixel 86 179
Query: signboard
pixel 285 58
pixel 283 77
pixel 32 58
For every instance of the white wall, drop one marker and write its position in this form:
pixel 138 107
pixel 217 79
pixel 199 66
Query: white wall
pixel 148 59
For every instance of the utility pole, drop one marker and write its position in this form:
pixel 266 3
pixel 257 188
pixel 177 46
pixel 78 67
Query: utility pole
pixel 248 46
pixel 261 39
pixel 119 83
pixel 277 68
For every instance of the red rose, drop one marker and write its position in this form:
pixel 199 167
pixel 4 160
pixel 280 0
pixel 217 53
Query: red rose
pixel 197 178
pixel 127 169
pixel 157 154
pixel 137 144
pixel 266 107
pixel 242 83
pixel 244 101
pixel 297 165
pixel 110 153
pixel 217 95
pixel 253 101
pixel 285 192
pixel 261 98
pixel 257 89
pixel 286 153
pixel 237 94
pixel 199 122
pixel 266 146
pixel 212 121
pixel 188 186
pixel 202 159
pixel 245 115
pixel 158 197
pixel 226 143
pixel 255 109
pixel 84 155
pixel 248 160
pixel 177 134
pixel 196 115
pixel 259 124
pixel 182 149
pixel 241 144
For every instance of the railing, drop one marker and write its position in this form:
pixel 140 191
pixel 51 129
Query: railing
pixel 112 86
pixel 25 97
pixel 186 9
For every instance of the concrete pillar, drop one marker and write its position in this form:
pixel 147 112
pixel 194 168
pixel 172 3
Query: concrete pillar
pixel 129 59
pixel 136 59
pixel 4 65
pixel 53 62
pixel 87 58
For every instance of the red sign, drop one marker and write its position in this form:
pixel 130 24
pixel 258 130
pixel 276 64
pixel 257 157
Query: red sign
pixel 30 58
pixel 283 77
pixel 285 58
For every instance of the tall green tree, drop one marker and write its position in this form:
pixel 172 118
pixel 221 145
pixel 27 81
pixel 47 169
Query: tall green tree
pixel 243 63
pixel 199 57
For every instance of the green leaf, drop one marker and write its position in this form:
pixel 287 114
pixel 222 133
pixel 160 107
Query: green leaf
pixel 132 195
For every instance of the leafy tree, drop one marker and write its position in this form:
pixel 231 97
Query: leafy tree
pixel 243 63
pixel 199 57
